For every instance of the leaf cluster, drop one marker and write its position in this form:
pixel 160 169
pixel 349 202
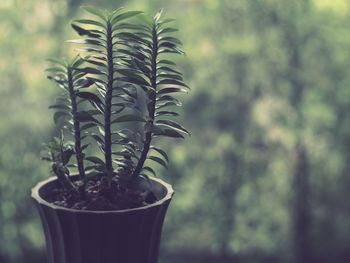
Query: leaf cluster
pixel 120 94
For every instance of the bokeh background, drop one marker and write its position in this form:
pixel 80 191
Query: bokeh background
pixel 264 176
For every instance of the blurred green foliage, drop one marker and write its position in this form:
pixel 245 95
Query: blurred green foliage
pixel 265 175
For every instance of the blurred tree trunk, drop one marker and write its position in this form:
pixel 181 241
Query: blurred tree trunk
pixel 301 206
pixel 228 194
pixel 301 209
pixel 293 39
pixel 237 103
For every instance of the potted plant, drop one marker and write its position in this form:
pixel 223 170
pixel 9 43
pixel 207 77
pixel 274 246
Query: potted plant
pixel 103 204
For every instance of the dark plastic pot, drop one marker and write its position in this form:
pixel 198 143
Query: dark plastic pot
pixel 124 236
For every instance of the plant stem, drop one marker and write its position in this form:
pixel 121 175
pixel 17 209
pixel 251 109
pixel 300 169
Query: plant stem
pixel 67 184
pixel 152 108
pixel 76 126
pixel 108 102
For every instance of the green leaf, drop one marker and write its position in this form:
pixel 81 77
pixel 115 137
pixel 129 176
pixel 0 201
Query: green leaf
pixel 170 90
pixel 158 15
pixel 77 74
pixel 126 133
pixel 131 91
pixel 122 153
pixel 158 160
pixel 125 53
pixel 99 58
pixel 149 169
pixel 166 62
pixel 124 16
pixel 163 153
pixel 89 70
pixel 99 107
pixel 86 41
pixel 132 37
pixel 171 51
pixel 91 50
pixel 168 98
pixel 115 11
pixel 127 72
pixel 167 44
pixel 129 26
pixel 87 126
pixel 141 65
pixel 59 114
pixel 165 68
pixel 83 32
pixel 170 133
pixel 77 62
pixel 98 138
pixel 101 131
pixel 173 125
pixel 170 76
pixel 96 63
pixel 90 96
pixel 150 127
pixel 83 147
pixel 66 155
pixel 95 160
pixel 99 82
pixel 168 113
pixel 61 83
pixel 124 163
pixel 57 61
pixel 56 69
pixel 167 30
pixel 118 110
pixel 84 83
pixel 171 81
pixel 90 22
pixel 169 20
pixel 166 104
pixel 100 169
pixel 94 112
pixel 128 117
pixel 125 98
pixel 95 11
pixel 170 39
pixel 60 106
pixel 84 116
pixel 135 80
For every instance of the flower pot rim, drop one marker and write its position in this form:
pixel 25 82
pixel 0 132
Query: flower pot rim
pixel 36 196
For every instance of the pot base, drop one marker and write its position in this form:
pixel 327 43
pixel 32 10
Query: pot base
pixel 81 236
